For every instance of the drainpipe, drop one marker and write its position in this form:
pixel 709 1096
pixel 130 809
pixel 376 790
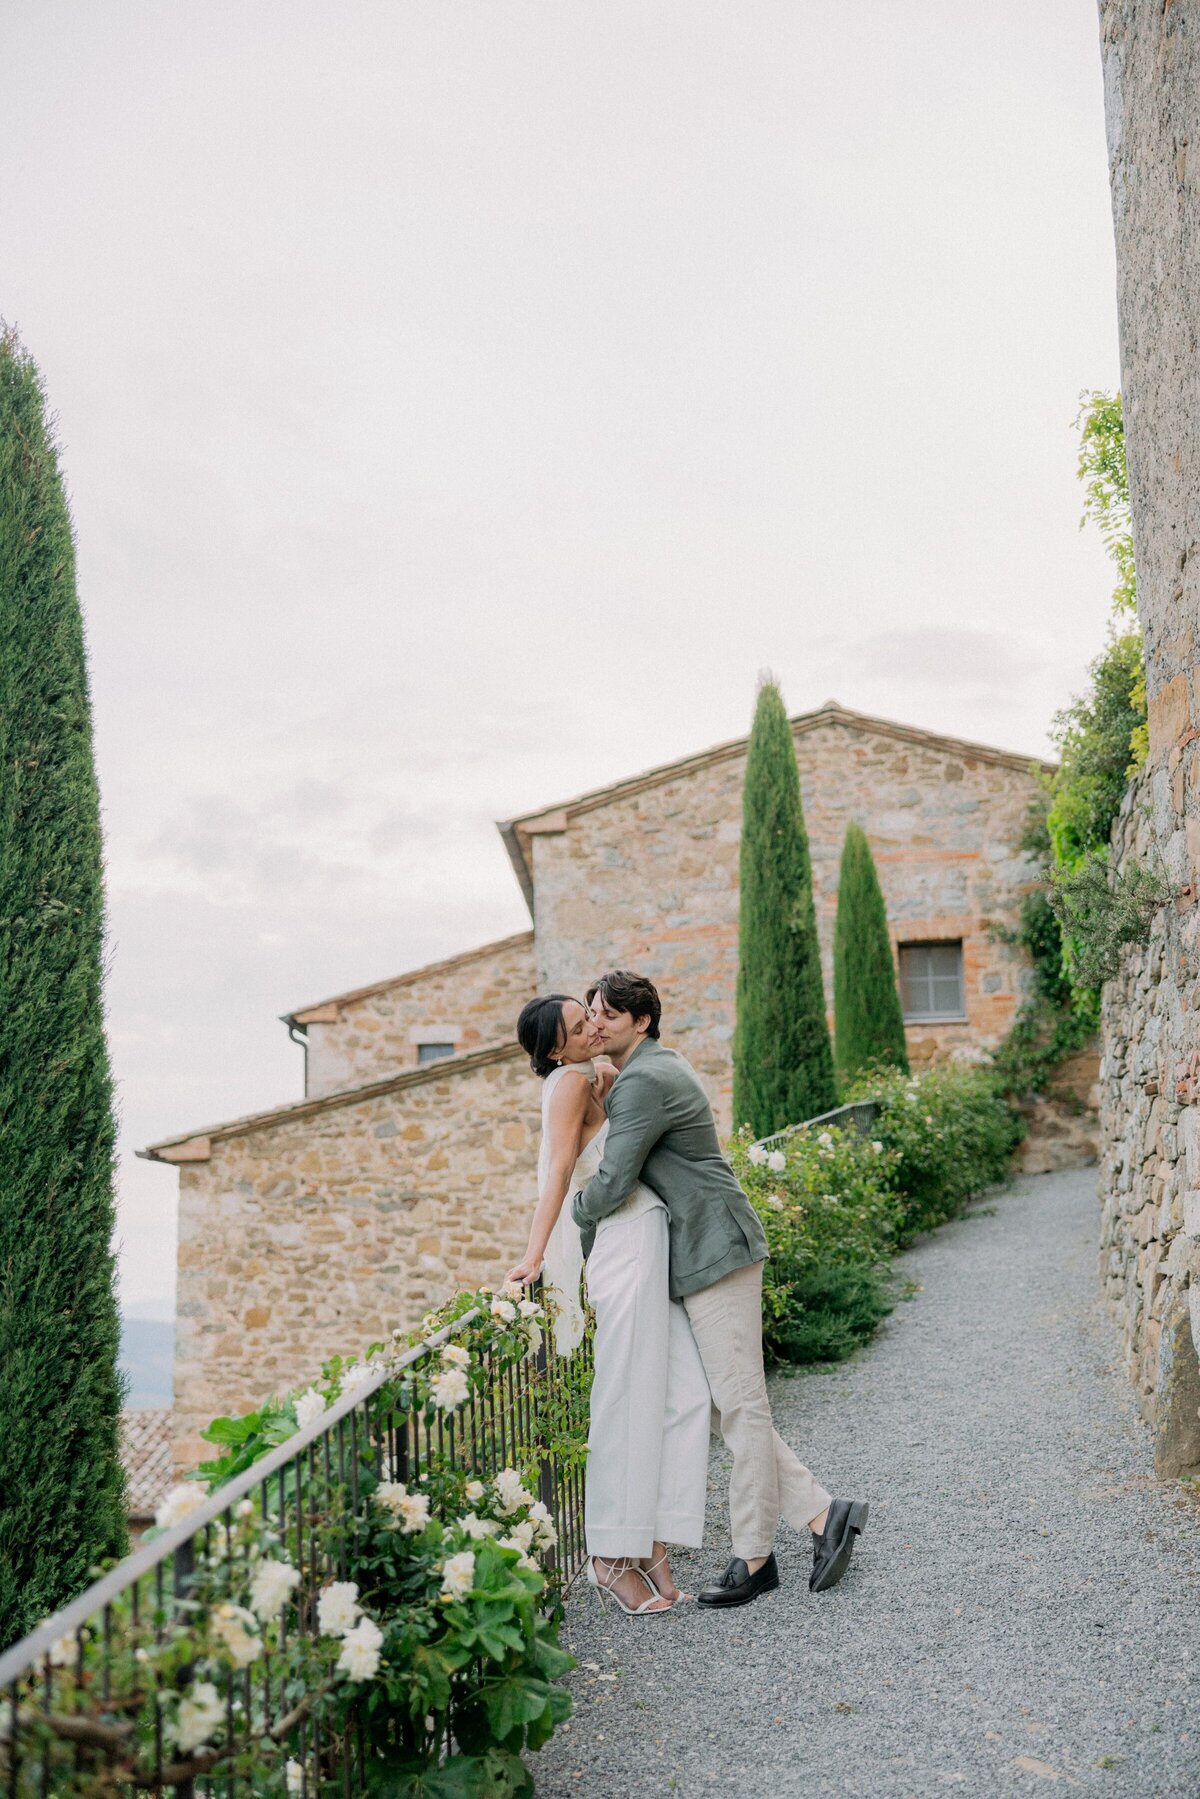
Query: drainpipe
pixel 299 1034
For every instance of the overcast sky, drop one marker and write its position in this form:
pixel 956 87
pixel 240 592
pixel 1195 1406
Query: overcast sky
pixel 462 400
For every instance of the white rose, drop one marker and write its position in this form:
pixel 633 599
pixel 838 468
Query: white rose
pixel 458 1576
pixel 273 1581
pixel 449 1389
pixel 415 1512
pixel 309 1407
pixel 756 1154
pixel 478 1527
pixel 543 1523
pixel 825 1140
pixel 529 1308
pixel 512 1290
pixel 229 1626
pixel 522 1534
pixel 510 1494
pixel 774 1201
pixel 359 1659
pixel 390 1494
pixel 777 1161
pixel 358 1374
pixel 63 1651
pixel 199 1717
pixel 457 1355
pixel 337 1608
pixel 187 1497
pixel 524 1559
pixel 877 1147
pixel 474 1491
pixel 294 1776
pixel 505 1310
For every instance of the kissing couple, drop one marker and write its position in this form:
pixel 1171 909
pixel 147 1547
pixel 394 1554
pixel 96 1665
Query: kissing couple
pixel 674 1254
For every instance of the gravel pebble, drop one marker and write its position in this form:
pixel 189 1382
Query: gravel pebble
pixel 1023 1609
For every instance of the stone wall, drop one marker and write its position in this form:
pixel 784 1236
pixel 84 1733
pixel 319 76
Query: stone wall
pixel 1150 1112
pixel 470 1000
pixel 326 1226
pixel 647 877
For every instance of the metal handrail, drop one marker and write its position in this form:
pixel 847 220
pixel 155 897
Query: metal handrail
pixel 20 1658
pixel 859 1113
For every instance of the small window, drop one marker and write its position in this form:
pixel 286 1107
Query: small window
pixel 931 981
pixel 433 1052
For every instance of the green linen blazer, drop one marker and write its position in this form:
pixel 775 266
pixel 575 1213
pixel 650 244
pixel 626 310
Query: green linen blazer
pixel 661 1131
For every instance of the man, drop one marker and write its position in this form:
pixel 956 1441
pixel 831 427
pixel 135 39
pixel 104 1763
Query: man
pixel 662 1131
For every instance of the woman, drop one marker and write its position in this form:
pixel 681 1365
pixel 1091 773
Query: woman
pixel 648 1438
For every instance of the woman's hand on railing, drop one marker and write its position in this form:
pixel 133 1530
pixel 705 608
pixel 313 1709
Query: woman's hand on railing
pixel 526 1271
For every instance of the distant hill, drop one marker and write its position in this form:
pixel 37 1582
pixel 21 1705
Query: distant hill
pixel 147 1357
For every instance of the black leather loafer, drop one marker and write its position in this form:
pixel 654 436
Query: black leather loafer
pixel 834 1547
pixel 737 1586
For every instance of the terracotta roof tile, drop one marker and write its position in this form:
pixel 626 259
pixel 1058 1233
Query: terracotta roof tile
pixel 146 1453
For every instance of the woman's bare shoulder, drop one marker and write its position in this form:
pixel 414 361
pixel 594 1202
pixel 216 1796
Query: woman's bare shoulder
pixel 570 1098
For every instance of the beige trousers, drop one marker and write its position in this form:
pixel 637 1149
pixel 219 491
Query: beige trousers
pixel 768 1480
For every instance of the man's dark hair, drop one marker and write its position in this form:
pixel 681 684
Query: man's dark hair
pixel 631 993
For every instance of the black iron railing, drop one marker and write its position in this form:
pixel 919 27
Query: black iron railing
pixel 859 1116
pixel 82 1697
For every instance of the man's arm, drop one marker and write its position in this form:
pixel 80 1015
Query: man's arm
pixel 636 1120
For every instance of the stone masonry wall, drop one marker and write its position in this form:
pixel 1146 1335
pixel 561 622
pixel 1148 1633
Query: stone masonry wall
pixel 1150 1112
pixel 1150 1173
pixel 323 1231
pixel 650 881
pixel 367 1035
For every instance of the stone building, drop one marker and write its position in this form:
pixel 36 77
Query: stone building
pixel 408 1167
pixel 1150 1114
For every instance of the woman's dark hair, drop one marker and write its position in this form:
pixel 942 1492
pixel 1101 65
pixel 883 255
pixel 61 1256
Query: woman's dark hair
pixel 541 1031
pixel 631 993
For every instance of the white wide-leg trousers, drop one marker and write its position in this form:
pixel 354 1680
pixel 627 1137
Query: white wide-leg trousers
pixel 647 1465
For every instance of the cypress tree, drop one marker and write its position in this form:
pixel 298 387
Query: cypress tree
pixel 61 1482
pixel 867 1016
pixel 782 1061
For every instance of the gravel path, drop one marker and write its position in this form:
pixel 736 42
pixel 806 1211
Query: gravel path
pixel 1023 1610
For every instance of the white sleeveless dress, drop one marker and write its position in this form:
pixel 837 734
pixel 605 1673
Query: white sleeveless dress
pixel 647 1465
pixel 562 1266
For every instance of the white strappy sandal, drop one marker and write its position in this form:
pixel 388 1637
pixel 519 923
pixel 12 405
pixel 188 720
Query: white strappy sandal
pixel 651 1606
pixel 681 1598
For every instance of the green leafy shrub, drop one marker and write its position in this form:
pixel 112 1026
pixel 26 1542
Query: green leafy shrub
pixel 948 1133
pixel 832 1220
pixel 1101 911
pixel 1102 741
pixel 424 1600
pixel 831 1311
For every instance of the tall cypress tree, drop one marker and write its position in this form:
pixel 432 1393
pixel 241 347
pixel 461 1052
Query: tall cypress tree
pixel 782 1061
pixel 61 1481
pixel 867 1017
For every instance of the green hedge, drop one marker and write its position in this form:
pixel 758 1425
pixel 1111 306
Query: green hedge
pixel 837 1206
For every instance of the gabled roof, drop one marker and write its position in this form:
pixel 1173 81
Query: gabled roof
pixel 517 832
pixel 196 1146
pixel 324 1011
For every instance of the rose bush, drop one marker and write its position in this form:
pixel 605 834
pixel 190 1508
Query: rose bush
pixel 836 1206
pixel 408 1616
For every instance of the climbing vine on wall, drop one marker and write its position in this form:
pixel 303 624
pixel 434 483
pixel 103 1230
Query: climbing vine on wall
pixel 1101 741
